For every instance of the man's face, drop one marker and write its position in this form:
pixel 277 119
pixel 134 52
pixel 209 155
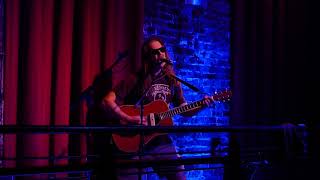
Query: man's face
pixel 158 51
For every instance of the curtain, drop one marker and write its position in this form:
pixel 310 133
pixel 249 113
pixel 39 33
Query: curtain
pixel 273 60
pixel 274 76
pixel 54 50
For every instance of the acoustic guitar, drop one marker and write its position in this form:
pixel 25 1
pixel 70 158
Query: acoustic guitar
pixel 158 114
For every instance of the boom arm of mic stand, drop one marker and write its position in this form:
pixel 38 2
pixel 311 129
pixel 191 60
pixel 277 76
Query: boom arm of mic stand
pixel 186 83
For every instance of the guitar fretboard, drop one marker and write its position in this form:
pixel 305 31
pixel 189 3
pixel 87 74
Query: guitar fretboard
pixel 181 109
pixel 195 105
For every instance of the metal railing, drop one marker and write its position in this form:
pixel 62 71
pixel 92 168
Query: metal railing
pixel 231 162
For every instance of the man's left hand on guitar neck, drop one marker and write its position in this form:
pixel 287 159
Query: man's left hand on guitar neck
pixel 207 101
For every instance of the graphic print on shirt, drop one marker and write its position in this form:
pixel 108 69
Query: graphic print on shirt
pixel 159 92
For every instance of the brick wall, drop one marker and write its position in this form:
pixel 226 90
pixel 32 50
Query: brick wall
pixel 197 37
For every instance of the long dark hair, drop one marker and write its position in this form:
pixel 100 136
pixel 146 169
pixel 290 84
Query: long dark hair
pixel 146 52
pixel 146 56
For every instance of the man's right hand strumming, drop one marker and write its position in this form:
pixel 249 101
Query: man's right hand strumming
pixel 109 103
pixel 134 120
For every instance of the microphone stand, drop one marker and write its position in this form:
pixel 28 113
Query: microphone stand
pixel 88 92
pixel 88 95
pixel 187 84
pixel 140 105
pixel 169 62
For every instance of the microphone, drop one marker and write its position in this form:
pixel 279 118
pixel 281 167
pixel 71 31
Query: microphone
pixel 161 66
pixel 167 61
pixel 164 66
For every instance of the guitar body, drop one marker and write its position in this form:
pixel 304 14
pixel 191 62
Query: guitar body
pixel 128 142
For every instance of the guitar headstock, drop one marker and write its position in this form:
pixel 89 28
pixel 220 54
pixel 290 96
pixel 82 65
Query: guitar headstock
pixel 222 96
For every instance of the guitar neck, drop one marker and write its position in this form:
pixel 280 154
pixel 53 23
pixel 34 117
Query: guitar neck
pixel 225 95
pixel 181 109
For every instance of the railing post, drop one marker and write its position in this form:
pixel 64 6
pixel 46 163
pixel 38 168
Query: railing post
pixel 232 163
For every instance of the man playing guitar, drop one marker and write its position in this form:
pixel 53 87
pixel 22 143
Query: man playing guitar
pixel 160 91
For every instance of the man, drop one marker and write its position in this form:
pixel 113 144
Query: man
pixel 152 84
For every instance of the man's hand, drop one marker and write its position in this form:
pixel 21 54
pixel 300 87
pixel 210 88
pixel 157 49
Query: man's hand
pixel 208 100
pixel 134 120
